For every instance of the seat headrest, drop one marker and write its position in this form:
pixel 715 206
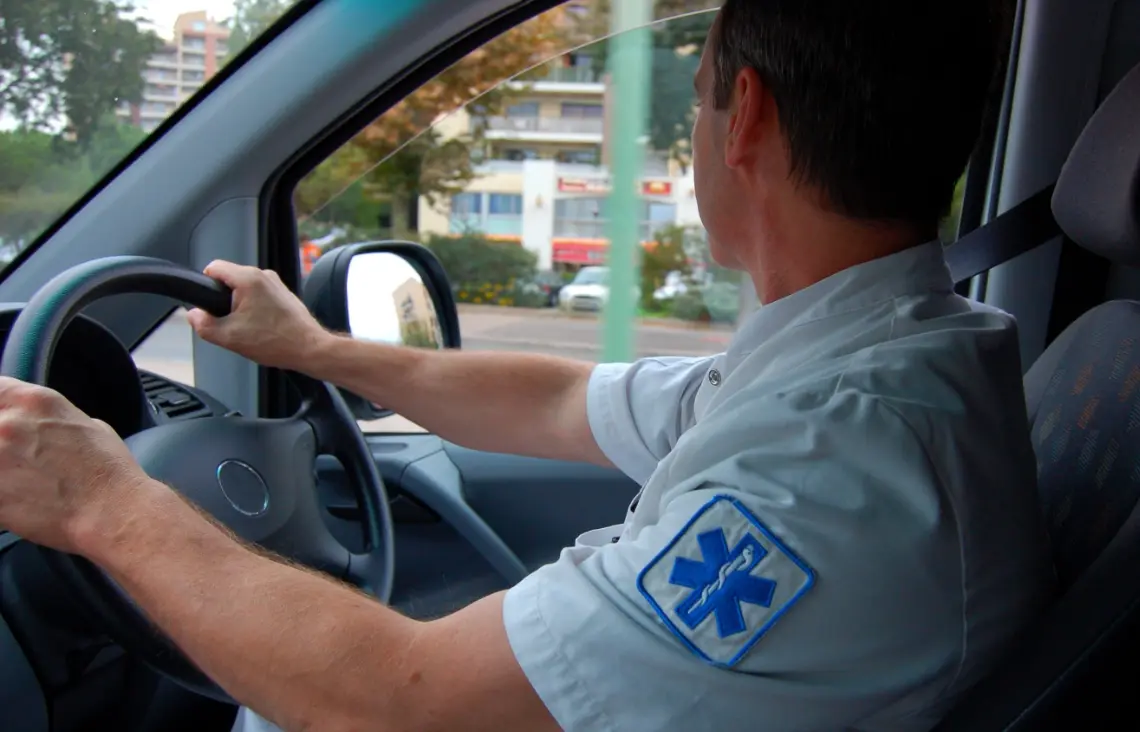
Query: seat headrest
pixel 1097 198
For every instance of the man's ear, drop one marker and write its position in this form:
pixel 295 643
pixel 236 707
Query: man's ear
pixel 746 111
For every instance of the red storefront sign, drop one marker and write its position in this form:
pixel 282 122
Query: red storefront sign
pixel 584 251
pixel 583 185
pixel 579 251
pixel 602 185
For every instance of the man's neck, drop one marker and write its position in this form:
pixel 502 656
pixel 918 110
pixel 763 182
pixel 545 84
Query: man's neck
pixel 801 245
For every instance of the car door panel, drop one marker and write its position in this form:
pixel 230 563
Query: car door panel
pixel 539 506
pixel 470 523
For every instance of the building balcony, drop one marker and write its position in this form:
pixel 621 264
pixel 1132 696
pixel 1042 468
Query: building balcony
pixel 563 74
pixel 489 224
pixel 580 228
pixel 160 76
pixel 160 92
pixel 599 229
pixel 558 79
pixel 656 166
pixel 554 125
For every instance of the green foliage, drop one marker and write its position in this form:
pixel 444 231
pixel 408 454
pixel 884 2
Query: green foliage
pixel 689 306
pixel 401 156
pixel 474 263
pixel 716 303
pixel 711 297
pixel 658 261
pixel 65 65
pixel 676 43
pixel 69 61
pixel 41 176
pixel 23 155
pixel 948 230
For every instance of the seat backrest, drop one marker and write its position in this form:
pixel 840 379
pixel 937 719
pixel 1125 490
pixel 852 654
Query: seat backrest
pixel 1083 396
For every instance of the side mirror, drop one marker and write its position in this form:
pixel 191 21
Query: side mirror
pixel 389 291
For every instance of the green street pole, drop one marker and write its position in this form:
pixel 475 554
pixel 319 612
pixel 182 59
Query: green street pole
pixel 629 62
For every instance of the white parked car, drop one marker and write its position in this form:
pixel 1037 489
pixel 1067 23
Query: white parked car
pixel 589 290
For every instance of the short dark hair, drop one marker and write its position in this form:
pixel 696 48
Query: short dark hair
pixel 881 102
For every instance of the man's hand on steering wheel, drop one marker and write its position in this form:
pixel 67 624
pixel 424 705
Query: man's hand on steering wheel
pixel 62 470
pixel 268 324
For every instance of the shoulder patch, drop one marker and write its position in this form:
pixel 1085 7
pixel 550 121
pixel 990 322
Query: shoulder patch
pixel 723 581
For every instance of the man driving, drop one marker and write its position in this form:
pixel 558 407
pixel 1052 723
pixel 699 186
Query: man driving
pixel 837 526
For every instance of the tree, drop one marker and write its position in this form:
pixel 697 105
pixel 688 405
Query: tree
pixel 251 18
pixel 658 259
pixel 408 158
pixel 676 39
pixel 67 63
pixel 42 175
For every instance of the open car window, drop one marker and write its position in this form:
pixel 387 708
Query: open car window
pixel 83 83
pixel 502 166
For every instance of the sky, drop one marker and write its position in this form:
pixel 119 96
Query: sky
pixel 163 12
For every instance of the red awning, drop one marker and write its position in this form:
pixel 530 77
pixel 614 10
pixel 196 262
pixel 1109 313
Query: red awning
pixel 579 251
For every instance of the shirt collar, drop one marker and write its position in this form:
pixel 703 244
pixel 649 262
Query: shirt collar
pixel 917 270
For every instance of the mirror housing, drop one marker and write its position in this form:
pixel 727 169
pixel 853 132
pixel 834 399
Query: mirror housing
pixel 388 291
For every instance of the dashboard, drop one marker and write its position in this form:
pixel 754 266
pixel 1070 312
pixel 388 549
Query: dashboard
pixel 94 370
pixel 46 647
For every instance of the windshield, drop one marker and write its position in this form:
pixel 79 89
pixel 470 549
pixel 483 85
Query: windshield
pixel 86 81
pixel 591 276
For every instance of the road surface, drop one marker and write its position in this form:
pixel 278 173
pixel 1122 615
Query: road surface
pixel 168 349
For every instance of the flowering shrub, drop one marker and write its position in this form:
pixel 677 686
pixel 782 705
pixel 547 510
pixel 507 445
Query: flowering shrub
pixel 508 295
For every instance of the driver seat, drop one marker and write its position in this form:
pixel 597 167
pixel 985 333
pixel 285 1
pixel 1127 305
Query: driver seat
pixel 1083 399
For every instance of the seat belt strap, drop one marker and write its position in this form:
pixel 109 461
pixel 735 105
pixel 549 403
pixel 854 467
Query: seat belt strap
pixel 1024 227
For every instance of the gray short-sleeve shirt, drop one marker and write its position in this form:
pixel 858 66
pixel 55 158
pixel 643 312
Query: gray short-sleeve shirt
pixel 837 527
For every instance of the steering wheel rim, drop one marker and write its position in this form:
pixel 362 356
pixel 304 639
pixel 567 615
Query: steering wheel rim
pixel 289 519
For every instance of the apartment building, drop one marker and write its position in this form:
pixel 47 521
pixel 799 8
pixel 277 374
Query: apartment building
pixel 542 178
pixel 193 54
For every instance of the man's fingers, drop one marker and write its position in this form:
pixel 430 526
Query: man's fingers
pixel 201 321
pixel 230 274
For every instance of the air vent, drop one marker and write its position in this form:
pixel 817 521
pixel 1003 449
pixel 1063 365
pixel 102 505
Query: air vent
pixel 171 399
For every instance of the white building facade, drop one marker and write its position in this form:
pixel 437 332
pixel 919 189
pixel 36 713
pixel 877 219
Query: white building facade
pixel 543 182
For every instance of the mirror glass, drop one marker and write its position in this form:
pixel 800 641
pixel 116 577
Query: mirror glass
pixel 388 302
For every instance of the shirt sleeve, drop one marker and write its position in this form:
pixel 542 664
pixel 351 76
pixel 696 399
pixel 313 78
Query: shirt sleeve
pixel 638 411
pixel 807 581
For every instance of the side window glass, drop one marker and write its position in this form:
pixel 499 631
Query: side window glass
pixel 82 84
pixel 502 166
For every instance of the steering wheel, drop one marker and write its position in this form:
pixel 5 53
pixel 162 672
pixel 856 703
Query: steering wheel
pixel 255 476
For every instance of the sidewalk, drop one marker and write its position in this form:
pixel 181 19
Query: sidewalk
pixel 670 323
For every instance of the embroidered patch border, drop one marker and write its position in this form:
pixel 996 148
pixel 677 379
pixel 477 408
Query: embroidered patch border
pixel 710 585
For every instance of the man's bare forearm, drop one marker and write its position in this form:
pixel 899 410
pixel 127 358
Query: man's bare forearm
pixel 525 404
pixel 300 649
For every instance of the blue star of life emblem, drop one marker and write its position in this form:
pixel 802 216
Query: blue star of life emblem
pixel 723 581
